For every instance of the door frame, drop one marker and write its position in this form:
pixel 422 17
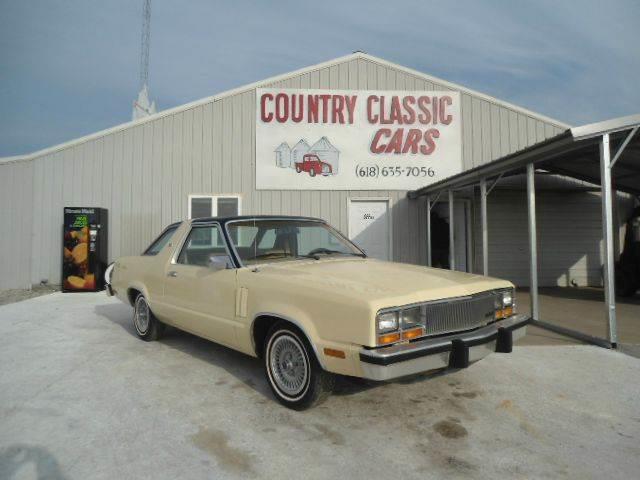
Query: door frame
pixel 373 199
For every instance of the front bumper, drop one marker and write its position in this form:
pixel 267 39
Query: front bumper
pixel 455 351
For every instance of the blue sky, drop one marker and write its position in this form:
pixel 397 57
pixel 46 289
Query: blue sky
pixel 69 68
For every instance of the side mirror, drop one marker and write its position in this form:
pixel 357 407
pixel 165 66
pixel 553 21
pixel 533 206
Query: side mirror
pixel 219 262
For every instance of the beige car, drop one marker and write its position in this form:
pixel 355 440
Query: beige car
pixel 299 295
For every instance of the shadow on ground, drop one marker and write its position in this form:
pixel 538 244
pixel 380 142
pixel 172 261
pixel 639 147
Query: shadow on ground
pixel 246 369
pixel 17 458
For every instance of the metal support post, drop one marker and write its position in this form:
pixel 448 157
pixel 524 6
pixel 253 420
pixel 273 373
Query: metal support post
pixel 607 233
pixel 452 256
pixel 485 232
pixel 533 246
pixel 429 255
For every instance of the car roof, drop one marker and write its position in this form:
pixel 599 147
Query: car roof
pixel 223 220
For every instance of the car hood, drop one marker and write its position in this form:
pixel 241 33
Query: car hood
pixel 379 281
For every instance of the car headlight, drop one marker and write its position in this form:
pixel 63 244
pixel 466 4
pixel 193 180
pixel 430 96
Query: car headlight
pixel 411 317
pixel 387 322
pixel 401 324
pixel 505 303
pixel 507 298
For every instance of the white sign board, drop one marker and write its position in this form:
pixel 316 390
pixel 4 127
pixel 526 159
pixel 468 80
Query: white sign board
pixel 356 139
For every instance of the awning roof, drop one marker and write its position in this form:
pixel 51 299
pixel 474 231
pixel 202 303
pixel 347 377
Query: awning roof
pixel 574 153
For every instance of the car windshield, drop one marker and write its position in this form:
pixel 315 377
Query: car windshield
pixel 262 241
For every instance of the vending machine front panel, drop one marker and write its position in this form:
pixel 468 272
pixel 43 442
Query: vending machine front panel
pixel 84 255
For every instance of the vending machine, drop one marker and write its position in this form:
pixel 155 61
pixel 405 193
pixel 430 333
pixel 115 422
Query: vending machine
pixel 85 249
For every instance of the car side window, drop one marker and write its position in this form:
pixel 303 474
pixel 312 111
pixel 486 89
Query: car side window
pixel 268 239
pixel 160 242
pixel 201 244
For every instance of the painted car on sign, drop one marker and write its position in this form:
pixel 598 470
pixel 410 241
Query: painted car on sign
pixel 296 293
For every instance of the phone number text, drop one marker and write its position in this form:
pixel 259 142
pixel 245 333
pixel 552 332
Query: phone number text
pixel 376 171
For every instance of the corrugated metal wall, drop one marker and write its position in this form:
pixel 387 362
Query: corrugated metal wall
pixel 569 234
pixel 144 173
pixel 16 207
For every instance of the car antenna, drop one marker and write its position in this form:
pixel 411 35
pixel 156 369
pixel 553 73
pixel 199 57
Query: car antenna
pixel 255 248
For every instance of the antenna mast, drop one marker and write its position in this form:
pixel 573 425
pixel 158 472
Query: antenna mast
pixel 142 107
pixel 144 43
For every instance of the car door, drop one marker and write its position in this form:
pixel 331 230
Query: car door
pixel 203 297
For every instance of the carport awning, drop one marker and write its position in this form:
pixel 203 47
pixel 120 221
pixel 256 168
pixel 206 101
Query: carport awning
pixel 605 153
pixel 573 153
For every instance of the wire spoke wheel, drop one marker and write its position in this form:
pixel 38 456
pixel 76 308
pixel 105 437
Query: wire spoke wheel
pixel 141 315
pixel 289 365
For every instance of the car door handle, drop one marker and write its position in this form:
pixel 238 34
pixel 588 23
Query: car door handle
pixel 172 273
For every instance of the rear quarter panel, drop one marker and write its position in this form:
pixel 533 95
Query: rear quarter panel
pixel 146 274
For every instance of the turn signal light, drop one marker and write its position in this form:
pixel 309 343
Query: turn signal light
pixel 504 313
pixel 334 353
pixel 412 333
pixel 388 338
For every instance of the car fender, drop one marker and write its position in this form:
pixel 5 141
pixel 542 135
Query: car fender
pixel 137 285
pixel 296 317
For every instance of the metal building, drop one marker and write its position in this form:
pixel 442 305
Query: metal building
pixel 200 159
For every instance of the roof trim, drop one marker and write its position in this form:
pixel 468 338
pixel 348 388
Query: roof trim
pixel 265 82
pixel 565 142
pixel 178 109
pixel 463 89
pixel 487 170
pixel 607 126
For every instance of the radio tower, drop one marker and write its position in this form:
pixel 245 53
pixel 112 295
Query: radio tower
pixel 142 107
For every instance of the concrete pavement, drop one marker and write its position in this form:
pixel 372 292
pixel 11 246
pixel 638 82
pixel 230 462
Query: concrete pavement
pixel 81 397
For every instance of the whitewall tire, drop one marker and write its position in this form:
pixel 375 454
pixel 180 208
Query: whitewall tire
pixel 296 378
pixel 147 326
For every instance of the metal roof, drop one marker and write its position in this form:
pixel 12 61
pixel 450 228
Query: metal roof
pixel 573 153
pixel 272 80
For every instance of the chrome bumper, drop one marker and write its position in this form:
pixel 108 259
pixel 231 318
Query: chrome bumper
pixel 455 351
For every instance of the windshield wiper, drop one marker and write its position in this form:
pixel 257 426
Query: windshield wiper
pixel 315 254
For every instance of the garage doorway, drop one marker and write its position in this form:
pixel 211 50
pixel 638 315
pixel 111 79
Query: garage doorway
pixel 370 226
pixel 461 235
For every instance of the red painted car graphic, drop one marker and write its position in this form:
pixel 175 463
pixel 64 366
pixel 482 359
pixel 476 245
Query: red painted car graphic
pixel 312 164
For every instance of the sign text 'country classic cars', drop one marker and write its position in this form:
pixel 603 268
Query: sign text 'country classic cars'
pixel 356 140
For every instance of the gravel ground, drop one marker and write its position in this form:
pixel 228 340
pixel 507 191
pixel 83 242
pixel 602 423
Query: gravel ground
pixel 12 296
pixel 82 397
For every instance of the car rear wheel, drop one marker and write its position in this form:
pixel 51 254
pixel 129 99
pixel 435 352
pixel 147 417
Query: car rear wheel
pixel 147 326
pixel 293 372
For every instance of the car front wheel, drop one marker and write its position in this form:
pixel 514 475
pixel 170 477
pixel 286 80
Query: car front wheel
pixel 294 374
pixel 147 326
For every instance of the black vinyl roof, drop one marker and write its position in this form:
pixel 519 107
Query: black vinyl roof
pixel 223 220
pixel 573 153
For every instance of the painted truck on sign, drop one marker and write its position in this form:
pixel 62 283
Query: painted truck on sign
pixel 312 164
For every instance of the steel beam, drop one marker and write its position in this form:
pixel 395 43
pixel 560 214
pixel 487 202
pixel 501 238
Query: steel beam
pixel 607 233
pixel 567 332
pixel 623 146
pixel 485 231
pixel 429 255
pixel 533 246
pixel 452 252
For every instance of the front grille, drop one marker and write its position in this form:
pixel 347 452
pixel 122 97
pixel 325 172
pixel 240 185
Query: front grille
pixel 457 314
